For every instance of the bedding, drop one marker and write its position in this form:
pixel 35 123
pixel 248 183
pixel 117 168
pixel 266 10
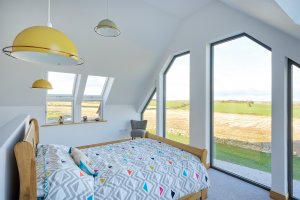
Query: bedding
pixel 135 169
pixel 82 161
pixel 58 177
pixel 145 169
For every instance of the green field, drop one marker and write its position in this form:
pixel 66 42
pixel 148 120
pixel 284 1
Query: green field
pixel 233 107
pixel 241 156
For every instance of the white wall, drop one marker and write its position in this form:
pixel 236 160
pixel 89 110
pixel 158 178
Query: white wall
pixel 11 133
pixel 116 127
pixel 213 23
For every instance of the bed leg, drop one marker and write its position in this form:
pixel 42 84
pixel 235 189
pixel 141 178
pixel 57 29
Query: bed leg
pixel 203 194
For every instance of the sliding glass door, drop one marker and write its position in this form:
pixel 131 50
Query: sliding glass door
pixel 294 139
pixel 241 109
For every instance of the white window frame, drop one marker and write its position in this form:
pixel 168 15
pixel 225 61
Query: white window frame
pixel 95 98
pixel 62 98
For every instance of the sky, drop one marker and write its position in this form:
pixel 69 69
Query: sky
pixel 242 71
pixel 296 83
pixel 178 79
pixel 63 84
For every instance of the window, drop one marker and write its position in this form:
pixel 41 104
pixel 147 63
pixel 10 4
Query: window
pixel 241 109
pixel 177 99
pixel 294 129
pixel 91 105
pixel 60 98
pixel 149 113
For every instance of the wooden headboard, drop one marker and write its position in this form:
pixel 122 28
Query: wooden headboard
pixel 25 156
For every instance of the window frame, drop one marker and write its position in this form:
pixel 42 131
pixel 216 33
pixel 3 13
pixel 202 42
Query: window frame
pixel 212 106
pixel 165 87
pixel 147 103
pixel 290 145
pixel 62 98
pixel 94 97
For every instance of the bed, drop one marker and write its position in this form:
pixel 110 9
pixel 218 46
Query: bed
pixel 148 168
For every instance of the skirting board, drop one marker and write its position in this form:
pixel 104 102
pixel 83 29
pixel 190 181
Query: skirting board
pixel 277 196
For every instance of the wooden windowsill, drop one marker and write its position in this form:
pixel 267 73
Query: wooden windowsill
pixel 74 123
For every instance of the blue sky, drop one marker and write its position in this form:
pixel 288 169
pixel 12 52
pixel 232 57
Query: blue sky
pixel 242 71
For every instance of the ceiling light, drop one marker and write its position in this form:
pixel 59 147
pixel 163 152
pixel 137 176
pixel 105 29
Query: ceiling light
pixel 41 84
pixel 107 27
pixel 44 44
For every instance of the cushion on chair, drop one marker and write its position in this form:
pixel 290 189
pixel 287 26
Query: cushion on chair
pixel 138 133
pixel 138 124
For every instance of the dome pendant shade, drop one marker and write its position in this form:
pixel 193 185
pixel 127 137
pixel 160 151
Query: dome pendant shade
pixel 107 28
pixel 41 84
pixel 43 44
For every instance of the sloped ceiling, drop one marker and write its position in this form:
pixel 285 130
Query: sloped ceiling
pixel 147 26
pixel 269 12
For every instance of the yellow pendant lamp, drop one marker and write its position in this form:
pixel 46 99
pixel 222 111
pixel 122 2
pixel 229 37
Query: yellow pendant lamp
pixel 41 84
pixel 44 44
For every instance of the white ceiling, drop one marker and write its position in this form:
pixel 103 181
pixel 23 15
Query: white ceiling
pixel 178 8
pixel 269 12
pixel 147 27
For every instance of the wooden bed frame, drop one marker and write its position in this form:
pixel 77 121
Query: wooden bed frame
pixel 25 156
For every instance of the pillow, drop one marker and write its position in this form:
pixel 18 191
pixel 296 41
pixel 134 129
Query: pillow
pixel 82 161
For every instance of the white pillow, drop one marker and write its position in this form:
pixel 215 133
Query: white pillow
pixel 82 161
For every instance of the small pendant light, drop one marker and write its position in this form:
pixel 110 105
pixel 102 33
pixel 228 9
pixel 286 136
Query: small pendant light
pixel 44 44
pixel 41 83
pixel 107 27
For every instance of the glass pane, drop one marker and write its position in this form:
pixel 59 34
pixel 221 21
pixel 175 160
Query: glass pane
pixel 296 131
pixel 55 109
pixel 178 100
pixel 62 83
pixel 94 85
pixel 90 109
pixel 150 115
pixel 242 109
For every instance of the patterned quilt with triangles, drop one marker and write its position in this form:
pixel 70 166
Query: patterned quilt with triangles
pixel 145 169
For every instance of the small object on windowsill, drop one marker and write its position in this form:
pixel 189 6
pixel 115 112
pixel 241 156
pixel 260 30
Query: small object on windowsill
pixel 61 120
pixel 85 118
pixel 74 123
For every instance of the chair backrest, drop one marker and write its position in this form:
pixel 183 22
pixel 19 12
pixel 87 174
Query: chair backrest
pixel 135 124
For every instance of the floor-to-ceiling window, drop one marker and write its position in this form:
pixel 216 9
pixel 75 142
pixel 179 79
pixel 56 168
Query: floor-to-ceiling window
pixel 294 139
pixel 177 99
pixel 241 108
pixel 149 113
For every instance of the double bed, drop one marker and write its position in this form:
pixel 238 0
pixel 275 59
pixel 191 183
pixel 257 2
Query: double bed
pixel 148 168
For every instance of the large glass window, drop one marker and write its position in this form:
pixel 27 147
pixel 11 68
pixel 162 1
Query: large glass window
pixel 149 114
pixel 177 99
pixel 62 83
pixel 241 108
pixel 91 106
pixel 60 99
pixel 295 130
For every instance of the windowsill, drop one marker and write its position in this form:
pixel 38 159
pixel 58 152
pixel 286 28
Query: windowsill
pixel 74 123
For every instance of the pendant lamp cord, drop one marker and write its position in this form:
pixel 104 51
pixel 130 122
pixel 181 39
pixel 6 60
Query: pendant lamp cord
pixel 106 9
pixel 49 24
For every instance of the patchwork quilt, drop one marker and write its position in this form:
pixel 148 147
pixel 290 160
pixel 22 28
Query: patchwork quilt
pixel 145 169
pixel 133 170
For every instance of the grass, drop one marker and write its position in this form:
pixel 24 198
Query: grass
pixel 231 106
pixel 236 107
pixel 241 156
